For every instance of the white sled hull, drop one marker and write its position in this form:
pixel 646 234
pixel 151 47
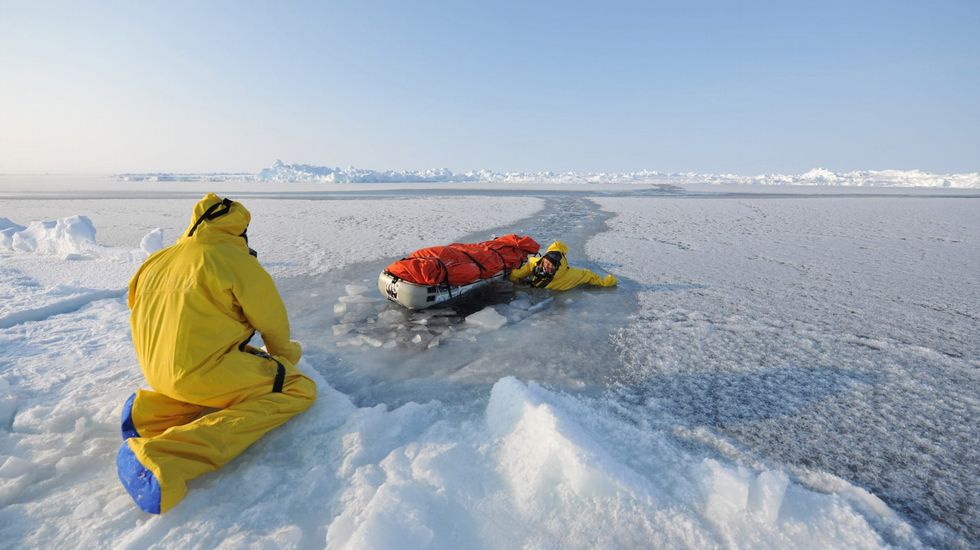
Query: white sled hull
pixel 415 296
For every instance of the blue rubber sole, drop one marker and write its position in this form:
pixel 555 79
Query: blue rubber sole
pixel 139 482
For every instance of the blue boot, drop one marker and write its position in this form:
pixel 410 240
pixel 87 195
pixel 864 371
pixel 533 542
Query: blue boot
pixel 128 428
pixel 139 482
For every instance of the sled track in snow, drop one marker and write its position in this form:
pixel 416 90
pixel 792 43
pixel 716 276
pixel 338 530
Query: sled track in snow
pixel 62 307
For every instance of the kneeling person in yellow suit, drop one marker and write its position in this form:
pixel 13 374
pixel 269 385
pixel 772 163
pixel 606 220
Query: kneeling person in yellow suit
pixel 552 271
pixel 195 306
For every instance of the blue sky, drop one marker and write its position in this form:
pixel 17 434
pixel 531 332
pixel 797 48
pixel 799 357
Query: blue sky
pixel 724 86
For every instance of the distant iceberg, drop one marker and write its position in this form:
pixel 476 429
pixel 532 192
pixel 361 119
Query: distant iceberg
pixel 186 177
pixel 858 178
pixel 305 173
pixel 281 172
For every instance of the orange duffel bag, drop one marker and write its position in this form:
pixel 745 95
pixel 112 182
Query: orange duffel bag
pixel 461 264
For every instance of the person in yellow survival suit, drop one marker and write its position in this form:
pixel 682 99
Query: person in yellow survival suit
pixel 195 306
pixel 552 271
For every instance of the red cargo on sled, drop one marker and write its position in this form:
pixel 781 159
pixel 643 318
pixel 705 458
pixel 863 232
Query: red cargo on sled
pixel 445 272
pixel 459 264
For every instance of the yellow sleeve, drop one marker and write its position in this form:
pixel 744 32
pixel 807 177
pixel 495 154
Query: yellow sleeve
pixel 593 279
pixel 523 271
pixel 262 305
pixel 572 277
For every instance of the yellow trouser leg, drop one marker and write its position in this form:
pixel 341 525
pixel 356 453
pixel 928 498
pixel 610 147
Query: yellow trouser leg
pixel 153 413
pixel 184 452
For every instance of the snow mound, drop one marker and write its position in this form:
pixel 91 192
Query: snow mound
pixel 7 231
pixel 55 266
pixel 552 468
pixel 68 237
pixel 152 241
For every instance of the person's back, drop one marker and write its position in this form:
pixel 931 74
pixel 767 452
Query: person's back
pixel 195 306
pixel 189 300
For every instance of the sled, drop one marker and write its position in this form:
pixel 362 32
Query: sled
pixel 413 296
pixel 437 274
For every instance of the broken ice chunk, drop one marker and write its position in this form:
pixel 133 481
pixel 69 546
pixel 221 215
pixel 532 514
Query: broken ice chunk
pixel 439 322
pixel 353 290
pixel 540 305
pixel 441 312
pixel 356 341
pixel 487 318
pixel 390 316
pixel 372 341
pixel 358 299
pixel 433 322
pixel 342 329
pixel 339 309
pixel 358 316
pixel 514 315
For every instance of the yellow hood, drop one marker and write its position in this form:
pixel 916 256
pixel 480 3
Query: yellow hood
pixel 231 219
pixel 559 246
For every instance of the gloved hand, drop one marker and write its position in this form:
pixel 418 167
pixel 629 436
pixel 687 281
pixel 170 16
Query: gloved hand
pixel 609 280
pixel 293 352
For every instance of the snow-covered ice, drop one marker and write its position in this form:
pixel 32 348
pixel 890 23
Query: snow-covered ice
pixel 772 372
pixel 836 336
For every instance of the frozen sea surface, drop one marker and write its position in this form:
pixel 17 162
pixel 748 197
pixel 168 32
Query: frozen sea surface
pixel 773 371
pixel 833 335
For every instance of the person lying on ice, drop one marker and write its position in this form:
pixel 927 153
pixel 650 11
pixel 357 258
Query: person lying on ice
pixel 195 306
pixel 552 271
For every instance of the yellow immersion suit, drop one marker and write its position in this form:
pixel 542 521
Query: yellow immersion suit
pixel 194 307
pixel 565 277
